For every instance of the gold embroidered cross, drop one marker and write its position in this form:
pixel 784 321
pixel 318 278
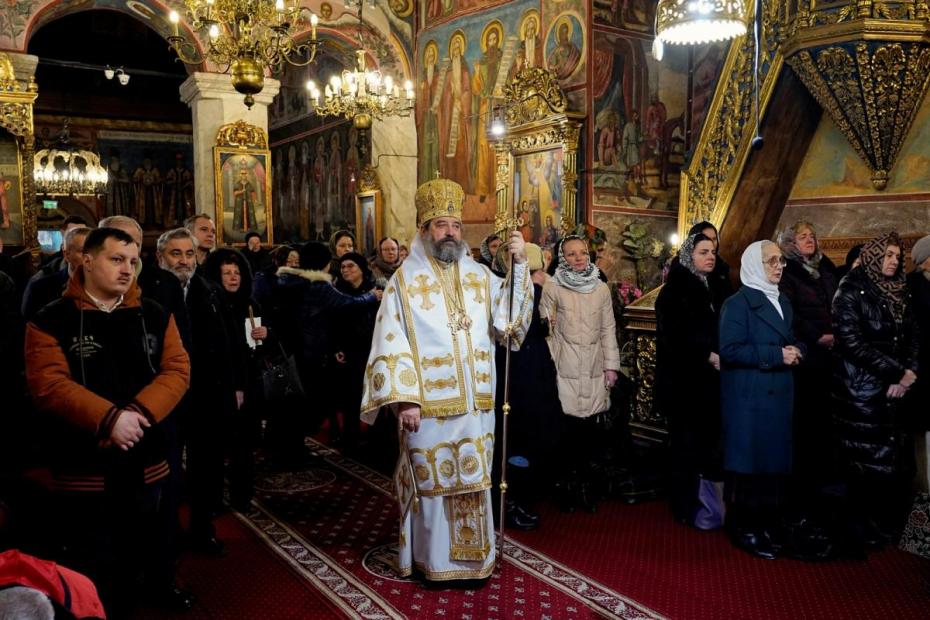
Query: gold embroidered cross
pixel 424 290
pixel 472 282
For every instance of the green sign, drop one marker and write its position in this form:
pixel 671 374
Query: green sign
pixel 49 204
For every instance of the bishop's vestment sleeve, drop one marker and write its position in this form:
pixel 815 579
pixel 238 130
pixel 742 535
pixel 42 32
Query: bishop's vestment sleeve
pixel 391 374
pixel 522 304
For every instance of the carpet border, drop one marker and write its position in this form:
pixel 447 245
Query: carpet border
pixel 388 610
pixel 383 485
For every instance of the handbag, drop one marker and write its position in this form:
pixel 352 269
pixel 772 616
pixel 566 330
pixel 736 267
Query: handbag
pixel 916 536
pixel 280 378
pixel 711 509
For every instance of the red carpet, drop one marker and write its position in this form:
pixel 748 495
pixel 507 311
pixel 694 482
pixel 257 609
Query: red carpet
pixel 336 523
pixel 248 584
pixel 682 572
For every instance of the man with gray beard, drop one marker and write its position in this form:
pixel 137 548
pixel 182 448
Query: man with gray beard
pixel 432 365
pixel 213 398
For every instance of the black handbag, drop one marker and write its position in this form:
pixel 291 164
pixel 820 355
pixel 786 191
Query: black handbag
pixel 280 378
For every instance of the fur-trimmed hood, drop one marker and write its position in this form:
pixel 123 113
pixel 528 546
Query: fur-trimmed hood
pixel 313 275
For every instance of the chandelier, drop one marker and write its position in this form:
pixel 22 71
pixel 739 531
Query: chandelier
pixel 247 36
pixel 690 22
pixel 63 170
pixel 361 94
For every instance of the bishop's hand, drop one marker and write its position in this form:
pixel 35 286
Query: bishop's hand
pixel 517 247
pixel 408 414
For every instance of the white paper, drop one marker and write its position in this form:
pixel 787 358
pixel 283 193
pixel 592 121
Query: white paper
pixel 248 331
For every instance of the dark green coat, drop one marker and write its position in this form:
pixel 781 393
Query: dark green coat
pixel 756 388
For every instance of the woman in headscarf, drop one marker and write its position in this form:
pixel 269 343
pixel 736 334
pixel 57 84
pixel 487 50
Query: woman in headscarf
pixel 687 373
pixel 809 282
pixel 488 252
pixel 231 271
pixel 583 344
pixel 719 279
pixel 341 242
pixel 757 353
pixel 876 341
pixel 351 341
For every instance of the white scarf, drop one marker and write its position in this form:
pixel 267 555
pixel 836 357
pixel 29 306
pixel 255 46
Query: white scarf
pixel 752 274
pixel 578 281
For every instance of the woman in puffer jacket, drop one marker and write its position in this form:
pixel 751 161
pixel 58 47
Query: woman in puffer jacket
pixel 877 342
pixel 583 343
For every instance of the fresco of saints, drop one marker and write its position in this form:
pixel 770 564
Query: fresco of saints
pixel 146 181
pixel 304 190
pixel 179 194
pixel 532 45
pixel 486 70
pixel 454 115
pixel 293 187
pixel 245 198
pixel 427 122
pixel 318 185
pixel 565 57
pixel 656 115
pixel 632 139
pixel 335 181
pixel 609 139
pixel 119 189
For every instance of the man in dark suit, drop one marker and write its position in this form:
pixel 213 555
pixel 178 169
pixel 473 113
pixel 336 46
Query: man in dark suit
pixel 46 288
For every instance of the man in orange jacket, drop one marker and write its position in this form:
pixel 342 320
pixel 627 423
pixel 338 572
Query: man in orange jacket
pixel 107 366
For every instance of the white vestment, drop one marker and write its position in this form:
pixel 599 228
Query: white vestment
pixel 425 352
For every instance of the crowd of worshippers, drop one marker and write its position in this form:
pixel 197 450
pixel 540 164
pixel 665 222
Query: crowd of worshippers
pixel 793 403
pixel 790 402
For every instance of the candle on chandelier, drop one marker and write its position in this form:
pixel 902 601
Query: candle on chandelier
pixel 174 18
pixel 314 20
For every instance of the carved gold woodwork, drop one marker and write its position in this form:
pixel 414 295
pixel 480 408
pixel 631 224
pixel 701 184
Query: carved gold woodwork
pixel 639 323
pixel 709 181
pixel 242 135
pixel 368 179
pixel 868 65
pixel 536 120
pixel 16 110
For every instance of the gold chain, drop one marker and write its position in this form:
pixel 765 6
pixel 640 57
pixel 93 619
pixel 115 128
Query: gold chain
pixel 452 291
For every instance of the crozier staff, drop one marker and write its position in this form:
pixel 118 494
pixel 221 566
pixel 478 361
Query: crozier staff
pixel 432 362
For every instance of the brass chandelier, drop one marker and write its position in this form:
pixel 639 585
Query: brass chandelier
pixel 690 22
pixel 63 170
pixel 361 94
pixel 247 36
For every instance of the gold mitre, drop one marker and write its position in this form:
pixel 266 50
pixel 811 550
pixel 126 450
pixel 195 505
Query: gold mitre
pixel 439 198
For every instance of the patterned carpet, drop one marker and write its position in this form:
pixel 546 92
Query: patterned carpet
pixel 336 524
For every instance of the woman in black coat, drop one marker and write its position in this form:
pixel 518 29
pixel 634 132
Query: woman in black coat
pixel 809 282
pixel 877 342
pixel 351 342
pixel 687 373
pixel 231 271
pixel 719 279
pixel 757 353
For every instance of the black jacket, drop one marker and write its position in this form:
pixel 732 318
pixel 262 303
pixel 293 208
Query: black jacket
pixel 213 370
pixel 811 299
pixel 42 289
pixel 307 302
pixel 874 352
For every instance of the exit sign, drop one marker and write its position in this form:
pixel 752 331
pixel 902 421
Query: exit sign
pixel 49 204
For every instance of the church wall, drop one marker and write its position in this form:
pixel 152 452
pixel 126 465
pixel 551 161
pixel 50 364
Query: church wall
pixel 834 191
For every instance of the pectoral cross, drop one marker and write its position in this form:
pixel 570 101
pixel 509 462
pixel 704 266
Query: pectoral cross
pixel 423 289
pixel 472 282
pixel 459 322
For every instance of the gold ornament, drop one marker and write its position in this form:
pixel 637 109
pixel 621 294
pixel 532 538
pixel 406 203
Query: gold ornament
pixel 439 198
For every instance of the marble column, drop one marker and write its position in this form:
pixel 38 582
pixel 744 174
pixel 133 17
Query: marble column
pixel 393 153
pixel 214 103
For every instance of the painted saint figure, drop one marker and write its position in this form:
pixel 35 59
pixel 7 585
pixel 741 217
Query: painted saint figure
pixel 179 193
pixel 564 58
pixel 632 140
pixel 334 179
pixel 118 199
pixel 146 181
pixel 454 115
pixel 427 121
pixel 244 199
pixel 532 46
pixel 318 189
pixel 486 70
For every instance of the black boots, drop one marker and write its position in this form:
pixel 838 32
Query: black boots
pixel 520 517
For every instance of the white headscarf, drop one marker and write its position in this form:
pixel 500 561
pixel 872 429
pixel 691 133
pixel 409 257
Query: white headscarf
pixel 752 273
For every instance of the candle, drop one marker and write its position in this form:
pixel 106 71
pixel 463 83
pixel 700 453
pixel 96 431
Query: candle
pixel 314 20
pixel 174 18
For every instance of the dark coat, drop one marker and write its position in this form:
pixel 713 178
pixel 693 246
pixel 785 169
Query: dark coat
pixel 875 350
pixel 920 302
pixel 811 299
pixel 164 287
pixel 213 370
pixel 42 289
pixel 721 288
pixel 757 389
pixel 687 386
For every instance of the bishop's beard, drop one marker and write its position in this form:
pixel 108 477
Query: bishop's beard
pixel 447 249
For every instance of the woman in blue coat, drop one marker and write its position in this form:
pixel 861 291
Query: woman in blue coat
pixel 757 353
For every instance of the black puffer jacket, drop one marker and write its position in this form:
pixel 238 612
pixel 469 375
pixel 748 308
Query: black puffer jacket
pixel 874 352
